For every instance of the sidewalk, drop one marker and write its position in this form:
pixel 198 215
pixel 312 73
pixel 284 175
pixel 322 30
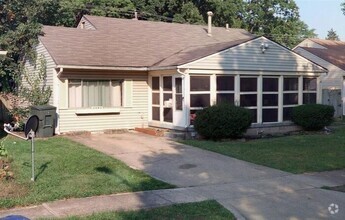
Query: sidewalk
pixel 115 202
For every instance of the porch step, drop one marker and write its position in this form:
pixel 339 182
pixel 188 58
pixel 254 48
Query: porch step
pixel 162 132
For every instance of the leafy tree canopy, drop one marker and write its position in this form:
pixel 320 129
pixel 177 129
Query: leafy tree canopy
pixel 332 35
pixel 19 28
pixel 343 7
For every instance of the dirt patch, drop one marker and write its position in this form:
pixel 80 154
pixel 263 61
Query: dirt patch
pixel 9 189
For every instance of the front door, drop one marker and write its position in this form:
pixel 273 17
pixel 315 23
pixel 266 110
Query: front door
pixel 168 100
pixel 179 106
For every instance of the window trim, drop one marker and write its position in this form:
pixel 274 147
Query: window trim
pixel 95 109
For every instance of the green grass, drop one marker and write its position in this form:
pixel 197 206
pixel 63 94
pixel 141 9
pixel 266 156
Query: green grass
pixel 207 210
pixel 295 154
pixel 65 169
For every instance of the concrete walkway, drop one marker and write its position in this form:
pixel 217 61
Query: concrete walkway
pixel 248 190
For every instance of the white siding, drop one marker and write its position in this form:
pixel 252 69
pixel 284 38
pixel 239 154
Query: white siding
pixel 34 67
pixel 310 43
pixel 250 57
pixel 129 116
pixel 87 24
pixel 333 79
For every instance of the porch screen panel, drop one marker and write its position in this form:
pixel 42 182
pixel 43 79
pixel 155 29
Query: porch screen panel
pixel 167 99
pixel 290 96
pixel 178 94
pixel 249 94
pixel 309 90
pixel 155 99
pixel 270 96
pixel 200 94
pixel 225 89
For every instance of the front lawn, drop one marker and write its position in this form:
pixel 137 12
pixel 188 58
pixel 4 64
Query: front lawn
pixel 65 169
pixel 295 154
pixel 207 210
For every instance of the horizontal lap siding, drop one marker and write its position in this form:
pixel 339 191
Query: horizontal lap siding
pixel 128 118
pixel 250 57
pixel 50 65
pixel 334 77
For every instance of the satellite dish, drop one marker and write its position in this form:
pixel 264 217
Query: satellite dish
pixel 31 125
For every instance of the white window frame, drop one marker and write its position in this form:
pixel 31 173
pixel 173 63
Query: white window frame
pixel 70 81
pixel 269 93
pixel 310 91
pixel 257 93
pixel 225 91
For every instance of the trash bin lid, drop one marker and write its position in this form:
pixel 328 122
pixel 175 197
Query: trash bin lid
pixel 43 107
pixel 14 217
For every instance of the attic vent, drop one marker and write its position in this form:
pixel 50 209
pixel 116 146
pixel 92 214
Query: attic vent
pixel 135 15
pixel 82 26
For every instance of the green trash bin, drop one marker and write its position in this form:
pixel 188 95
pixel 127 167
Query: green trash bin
pixel 47 119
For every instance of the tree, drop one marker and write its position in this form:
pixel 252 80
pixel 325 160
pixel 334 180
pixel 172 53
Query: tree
pixel 278 20
pixel 332 35
pixel 19 28
pixel 70 12
pixel 343 7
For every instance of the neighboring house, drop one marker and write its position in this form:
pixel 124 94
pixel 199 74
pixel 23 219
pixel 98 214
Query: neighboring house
pixel 120 74
pixel 331 55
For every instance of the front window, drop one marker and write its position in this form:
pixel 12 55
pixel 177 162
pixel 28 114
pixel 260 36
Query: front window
pixel 94 93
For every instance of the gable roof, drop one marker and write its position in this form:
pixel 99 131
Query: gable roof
pixel 135 43
pixel 332 51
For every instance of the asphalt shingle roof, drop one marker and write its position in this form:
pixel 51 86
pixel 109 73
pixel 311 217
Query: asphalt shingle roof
pixel 135 43
pixel 334 52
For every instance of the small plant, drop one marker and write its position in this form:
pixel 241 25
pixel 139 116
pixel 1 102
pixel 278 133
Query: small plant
pixel 5 173
pixel 3 151
pixel 313 117
pixel 34 89
pixel 222 121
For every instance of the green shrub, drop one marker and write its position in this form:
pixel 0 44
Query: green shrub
pixel 222 121
pixel 312 117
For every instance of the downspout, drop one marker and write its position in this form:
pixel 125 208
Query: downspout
pixel 60 72
pixel 58 101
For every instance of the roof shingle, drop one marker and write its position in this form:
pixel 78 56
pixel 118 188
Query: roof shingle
pixel 133 43
pixel 334 52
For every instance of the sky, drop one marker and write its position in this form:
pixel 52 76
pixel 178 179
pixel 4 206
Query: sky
pixel 322 15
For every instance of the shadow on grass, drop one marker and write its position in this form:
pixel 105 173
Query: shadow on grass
pixel 42 168
pixel 104 169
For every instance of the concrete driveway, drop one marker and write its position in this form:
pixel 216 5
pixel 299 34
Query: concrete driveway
pixel 257 192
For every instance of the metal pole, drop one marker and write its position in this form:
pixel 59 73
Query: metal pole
pixel 32 135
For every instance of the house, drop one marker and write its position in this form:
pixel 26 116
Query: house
pixel 113 73
pixel 331 55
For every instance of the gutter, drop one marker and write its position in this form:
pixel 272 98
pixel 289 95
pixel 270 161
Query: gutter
pixel 116 68
pixel 102 68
